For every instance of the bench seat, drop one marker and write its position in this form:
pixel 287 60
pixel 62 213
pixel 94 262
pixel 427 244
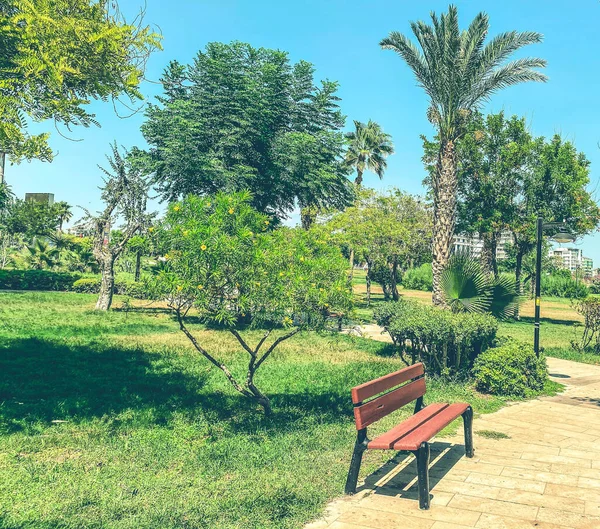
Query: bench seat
pixel 378 398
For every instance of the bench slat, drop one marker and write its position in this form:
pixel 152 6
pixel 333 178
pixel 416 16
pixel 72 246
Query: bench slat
pixel 387 440
pixel 379 385
pixel 377 408
pixel 425 432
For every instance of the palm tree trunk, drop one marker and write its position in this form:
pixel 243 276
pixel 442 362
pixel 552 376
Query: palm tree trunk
pixel 444 215
pixel 359 177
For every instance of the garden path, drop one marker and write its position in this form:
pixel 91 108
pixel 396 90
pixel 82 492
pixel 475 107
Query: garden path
pixel 543 473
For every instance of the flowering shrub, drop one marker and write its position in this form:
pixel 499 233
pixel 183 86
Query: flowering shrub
pixel 225 264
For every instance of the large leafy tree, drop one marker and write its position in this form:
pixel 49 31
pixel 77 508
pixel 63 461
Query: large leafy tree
pixel 555 188
pixel 458 72
pixel 245 118
pixel 368 148
pixel 57 55
pixel 390 231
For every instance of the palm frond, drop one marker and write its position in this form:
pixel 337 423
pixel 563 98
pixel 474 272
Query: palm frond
pixel 505 298
pixel 465 285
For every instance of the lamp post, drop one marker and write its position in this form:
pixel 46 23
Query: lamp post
pixel 562 236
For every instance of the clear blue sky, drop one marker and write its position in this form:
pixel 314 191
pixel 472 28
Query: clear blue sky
pixel 340 37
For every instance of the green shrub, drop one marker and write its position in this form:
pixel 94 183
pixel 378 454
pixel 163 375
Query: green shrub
pixel 91 285
pixel 87 285
pixel 444 341
pixel 420 278
pixel 561 286
pixel 37 280
pixel 512 369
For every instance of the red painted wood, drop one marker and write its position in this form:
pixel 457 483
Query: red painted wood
pixel 379 385
pixel 426 431
pixel 387 440
pixel 377 408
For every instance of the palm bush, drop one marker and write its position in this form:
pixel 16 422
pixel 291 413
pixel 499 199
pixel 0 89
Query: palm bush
pixel 467 287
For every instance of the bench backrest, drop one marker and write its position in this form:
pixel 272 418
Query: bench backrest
pixel 411 382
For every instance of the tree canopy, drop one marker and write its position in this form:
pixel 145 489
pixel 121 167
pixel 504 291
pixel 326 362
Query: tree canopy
pixel 241 118
pixel 57 55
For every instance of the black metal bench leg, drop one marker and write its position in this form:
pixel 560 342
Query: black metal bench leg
pixel 423 475
pixel 468 424
pixel 359 448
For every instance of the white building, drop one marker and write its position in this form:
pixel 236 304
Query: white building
pixel 568 258
pixel 472 244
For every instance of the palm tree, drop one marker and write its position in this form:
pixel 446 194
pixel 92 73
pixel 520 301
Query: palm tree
pixel 458 72
pixel 40 255
pixel 368 149
pixel 63 210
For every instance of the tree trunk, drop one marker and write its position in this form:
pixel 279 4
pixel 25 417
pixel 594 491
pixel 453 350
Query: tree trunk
pixel 351 263
pixel 107 284
pixel 2 165
pixel 359 177
pixel 138 265
pixel 368 283
pixel 308 216
pixel 445 189
pixel 489 252
pixel 393 284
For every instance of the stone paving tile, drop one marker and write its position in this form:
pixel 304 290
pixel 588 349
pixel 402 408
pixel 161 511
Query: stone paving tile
pixel 492 521
pixel 545 476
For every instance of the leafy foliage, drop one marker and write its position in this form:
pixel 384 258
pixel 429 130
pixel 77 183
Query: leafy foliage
pixel 512 369
pixel 468 288
pixel 37 280
pixel 446 342
pixel 56 55
pixel 245 118
pixel 420 278
pixel 225 262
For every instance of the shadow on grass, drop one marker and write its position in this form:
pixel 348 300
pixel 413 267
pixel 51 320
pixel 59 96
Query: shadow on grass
pixel 42 381
pixel 531 320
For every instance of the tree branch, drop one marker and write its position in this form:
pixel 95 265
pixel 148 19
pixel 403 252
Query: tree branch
pixel 211 359
pixel 275 344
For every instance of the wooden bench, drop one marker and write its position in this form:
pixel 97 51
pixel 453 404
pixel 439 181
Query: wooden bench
pixel 414 433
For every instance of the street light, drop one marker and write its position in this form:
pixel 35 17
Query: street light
pixel 563 235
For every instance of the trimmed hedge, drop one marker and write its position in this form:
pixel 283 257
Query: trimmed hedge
pixel 446 342
pixel 37 280
pixel 512 369
pixel 91 285
pixel 64 281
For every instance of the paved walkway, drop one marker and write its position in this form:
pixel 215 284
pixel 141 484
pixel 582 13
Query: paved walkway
pixel 546 475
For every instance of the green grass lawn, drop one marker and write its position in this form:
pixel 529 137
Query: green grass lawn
pixel 114 421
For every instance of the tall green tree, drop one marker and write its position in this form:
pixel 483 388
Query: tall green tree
pixel 57 55
pixel 458 72
pixel 244 118
pixel 555 188
pixel 368 148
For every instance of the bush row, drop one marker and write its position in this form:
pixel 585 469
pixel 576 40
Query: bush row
pixel 420 278
pixel 563 287
pixel 444 341
pixel 63 281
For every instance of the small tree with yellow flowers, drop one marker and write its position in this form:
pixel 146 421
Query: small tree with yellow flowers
pixel 226 264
